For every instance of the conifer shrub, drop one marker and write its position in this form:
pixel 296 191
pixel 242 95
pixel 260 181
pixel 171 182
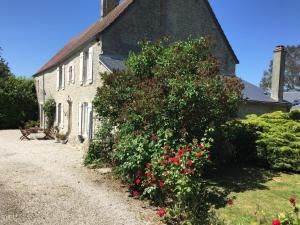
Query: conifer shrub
pixel 278 141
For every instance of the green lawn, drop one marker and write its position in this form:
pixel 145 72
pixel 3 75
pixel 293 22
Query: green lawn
pixel 250 189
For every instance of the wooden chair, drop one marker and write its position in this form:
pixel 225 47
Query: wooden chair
pixel 50 133
pixel 25 134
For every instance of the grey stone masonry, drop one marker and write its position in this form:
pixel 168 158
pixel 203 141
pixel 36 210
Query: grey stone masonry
pixel 278 73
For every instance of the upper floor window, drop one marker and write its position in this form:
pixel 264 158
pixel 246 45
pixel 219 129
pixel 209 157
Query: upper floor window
pixel 86 66
pixel 60 77
pixel 71 75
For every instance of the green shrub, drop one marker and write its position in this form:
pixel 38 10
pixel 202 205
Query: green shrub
pixel 278 142
pixel 18 102
pixel 171 94
pixel 234 142
pixel 32 123
pixel 295 114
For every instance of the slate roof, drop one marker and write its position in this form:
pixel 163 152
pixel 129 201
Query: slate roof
pixel 293 97
pixel 254 93
pixel 104 23
pixel 113 62
pixel 86 36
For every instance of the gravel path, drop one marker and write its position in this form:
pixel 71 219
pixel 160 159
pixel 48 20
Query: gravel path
pixel 42 182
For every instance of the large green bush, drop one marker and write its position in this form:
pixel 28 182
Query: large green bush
pixel 170 95
pixel 18 102
pixel 278 142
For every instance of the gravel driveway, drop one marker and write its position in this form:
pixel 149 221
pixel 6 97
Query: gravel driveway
pixel 42 182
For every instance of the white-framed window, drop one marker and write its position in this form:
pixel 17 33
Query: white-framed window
pixel 85 119
pixel 71 75
pixel 86 66
pixel 60 77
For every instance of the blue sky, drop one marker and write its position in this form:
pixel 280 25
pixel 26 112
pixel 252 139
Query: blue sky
pixel 32 31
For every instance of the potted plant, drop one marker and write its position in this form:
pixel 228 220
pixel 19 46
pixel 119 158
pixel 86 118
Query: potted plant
pixel 57 137
pixel 63 138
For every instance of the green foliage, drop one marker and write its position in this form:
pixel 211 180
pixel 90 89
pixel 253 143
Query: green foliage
pixel 292 71
pixel 18 102
pixel 4 69
pixel 278 142
pixel 170 95
pixel 234 142
pixel 49 110
pixel 295 114
pixel 32 123
pixel 100 149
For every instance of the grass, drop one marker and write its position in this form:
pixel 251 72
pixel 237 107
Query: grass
pixel 256 193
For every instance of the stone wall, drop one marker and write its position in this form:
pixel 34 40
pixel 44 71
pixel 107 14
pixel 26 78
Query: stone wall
pixel 177 19
pixel 260 108
pixel 75 92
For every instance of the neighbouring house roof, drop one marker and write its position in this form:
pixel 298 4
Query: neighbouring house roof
pixel 86 36
pixel 104 23
pixel 254 93
pixel 293 97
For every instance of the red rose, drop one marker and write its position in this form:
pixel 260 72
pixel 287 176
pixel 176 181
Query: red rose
pixel 188 149
pixel 165 162
pixel 276 222
pixel 180 152
pixel 180 163
pixel 153 179
pixel 161 212
pixel 190 163
pixel 171 151
pixel 145 183
pixel 148 174
pixel 138 181
pixel 167 157
pixel 186 170
pixel 193 173
pixel 201 147
pixel 166 148
pixel 136 194
pixel 174 160
pixel 161 183
pixel 199 154
pixel 292 200
pixel 148 165
pixel 230 202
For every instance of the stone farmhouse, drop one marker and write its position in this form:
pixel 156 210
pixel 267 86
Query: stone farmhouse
pixel 71 77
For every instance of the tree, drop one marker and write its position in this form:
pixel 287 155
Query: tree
pixel 4 69
pixel 18 102
pixel 292 71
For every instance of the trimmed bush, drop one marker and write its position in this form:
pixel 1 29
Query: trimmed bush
pixel 278 142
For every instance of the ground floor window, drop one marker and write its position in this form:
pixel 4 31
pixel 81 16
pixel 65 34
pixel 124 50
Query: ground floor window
pixel 85 119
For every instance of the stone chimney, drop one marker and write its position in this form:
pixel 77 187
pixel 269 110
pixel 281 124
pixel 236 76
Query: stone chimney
pixel 107 6
pixel 278 73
